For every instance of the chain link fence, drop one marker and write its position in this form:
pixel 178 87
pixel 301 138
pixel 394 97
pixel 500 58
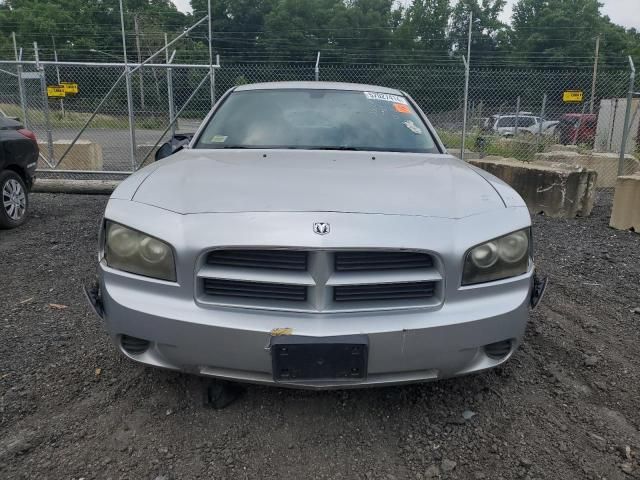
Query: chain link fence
pixel 515 113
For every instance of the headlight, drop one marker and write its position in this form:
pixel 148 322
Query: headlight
pixel 503 257
pixel 135 252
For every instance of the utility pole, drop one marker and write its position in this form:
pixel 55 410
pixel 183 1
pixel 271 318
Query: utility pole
pixel 595 74
pixel 136 28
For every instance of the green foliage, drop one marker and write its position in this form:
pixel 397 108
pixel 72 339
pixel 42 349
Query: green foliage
pixel 345 31
pixel 487 30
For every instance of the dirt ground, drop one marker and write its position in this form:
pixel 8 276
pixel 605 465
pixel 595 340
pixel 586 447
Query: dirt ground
pixel 567 406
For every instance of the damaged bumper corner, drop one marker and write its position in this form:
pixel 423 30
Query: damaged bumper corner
pixel 537 292
pixel 94 297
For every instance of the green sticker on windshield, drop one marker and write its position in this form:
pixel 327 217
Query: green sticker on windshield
pixel 219 138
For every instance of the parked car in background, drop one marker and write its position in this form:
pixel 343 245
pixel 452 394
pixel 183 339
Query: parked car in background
pixel 577 128
pixel 18 160
pixel 316 235
pixel 505 125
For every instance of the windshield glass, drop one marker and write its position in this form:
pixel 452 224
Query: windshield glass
pixel 317 120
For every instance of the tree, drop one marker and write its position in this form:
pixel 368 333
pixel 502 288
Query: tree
pixel 296 29
pixel 425 25
pixel 237 25
pixel 488 33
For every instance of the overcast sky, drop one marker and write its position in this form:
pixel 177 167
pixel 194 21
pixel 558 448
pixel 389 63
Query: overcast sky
pixel 622 12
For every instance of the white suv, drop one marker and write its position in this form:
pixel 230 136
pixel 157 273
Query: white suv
pixel 505 125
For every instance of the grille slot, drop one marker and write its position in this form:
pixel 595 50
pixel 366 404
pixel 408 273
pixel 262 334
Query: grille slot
pixel 255 290
pixel 387 292
pixel 372 260
pixel 271 259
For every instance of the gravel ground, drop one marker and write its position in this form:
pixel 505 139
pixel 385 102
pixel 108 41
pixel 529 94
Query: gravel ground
pixel 566 406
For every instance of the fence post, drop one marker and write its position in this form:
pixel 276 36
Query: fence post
pixel 23 103
pixel 544 106
pixel 127 74
pixel 466 61
pixel 170 88
pixel 627 117
pixel 515 129
pixel 579 125
pixel 317 69
pixel 212 74
pixel 55 57
pixel 45 99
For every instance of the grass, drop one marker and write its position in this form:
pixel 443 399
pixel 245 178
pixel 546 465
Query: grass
pixel 523 148
pixel 78 119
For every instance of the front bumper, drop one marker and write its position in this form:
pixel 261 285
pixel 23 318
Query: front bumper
pixel 235 344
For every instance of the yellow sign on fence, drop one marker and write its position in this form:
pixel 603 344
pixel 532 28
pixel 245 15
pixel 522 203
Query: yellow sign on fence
pixel 70 88
pixel 572 96
pixel 55 91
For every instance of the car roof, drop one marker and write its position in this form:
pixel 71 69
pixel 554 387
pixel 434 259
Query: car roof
pixel 317 86
pixel 591 116
pixel 519 116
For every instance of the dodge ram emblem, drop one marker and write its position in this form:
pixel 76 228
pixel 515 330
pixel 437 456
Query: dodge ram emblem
pixel 321 228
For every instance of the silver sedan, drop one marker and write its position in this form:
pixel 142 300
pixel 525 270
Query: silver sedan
pixel 316 235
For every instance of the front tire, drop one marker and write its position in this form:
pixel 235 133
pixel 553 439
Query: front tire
pixel 14 200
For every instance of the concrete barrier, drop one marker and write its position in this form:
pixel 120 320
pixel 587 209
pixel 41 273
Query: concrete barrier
pixel 626 204
pixel 605 164
pixel 84 155
pixel 556 191
pixel 468 154
pixel 58 185
pixel 143 150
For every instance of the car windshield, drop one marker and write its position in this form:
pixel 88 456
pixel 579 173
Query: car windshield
pixel 317 120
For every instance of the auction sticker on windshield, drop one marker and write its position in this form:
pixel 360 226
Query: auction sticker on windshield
pixel 387 97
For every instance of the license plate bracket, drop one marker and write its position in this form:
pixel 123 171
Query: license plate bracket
pixel 297 358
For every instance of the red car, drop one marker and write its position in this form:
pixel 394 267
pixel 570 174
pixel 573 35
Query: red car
pixel 577 128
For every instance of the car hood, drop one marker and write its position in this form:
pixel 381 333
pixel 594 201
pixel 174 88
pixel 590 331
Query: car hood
pixel 209 181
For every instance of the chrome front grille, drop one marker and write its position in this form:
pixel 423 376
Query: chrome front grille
pixel 319 280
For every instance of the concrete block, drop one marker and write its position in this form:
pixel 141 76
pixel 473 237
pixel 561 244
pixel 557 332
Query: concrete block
pixel 142 151
pixel 556 191
pixel 59 185
pixel 626 204
pixel 84 155
pixel 468 154
pixel 605 164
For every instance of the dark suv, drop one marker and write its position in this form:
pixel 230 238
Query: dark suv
pixel 18 160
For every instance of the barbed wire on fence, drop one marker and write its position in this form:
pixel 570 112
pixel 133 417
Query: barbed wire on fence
pixel 513 111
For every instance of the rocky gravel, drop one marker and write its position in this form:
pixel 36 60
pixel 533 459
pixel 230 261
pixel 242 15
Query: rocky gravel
pixel 567 406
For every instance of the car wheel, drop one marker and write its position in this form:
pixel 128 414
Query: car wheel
pixel 14 200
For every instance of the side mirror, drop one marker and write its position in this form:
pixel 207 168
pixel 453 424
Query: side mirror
pixel 175 144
